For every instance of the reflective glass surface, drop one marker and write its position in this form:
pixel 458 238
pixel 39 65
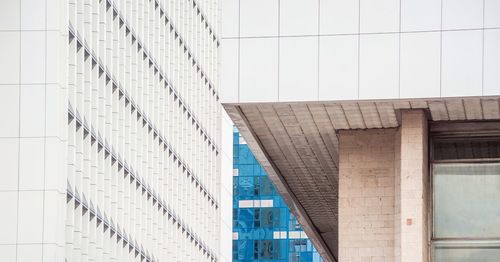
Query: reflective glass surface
pixel 466 197
pixel 467 200
pixel 467 254
pixel 263 227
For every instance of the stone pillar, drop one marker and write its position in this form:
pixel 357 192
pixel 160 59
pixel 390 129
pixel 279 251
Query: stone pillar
pixel 413 189
pixel 383 189
pixel 366 195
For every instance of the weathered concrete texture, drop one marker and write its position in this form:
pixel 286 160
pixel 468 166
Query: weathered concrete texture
pixel 382 192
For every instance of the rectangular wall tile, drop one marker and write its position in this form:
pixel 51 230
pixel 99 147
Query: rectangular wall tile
pixel 379 66
pixel 259 17
pixel 10 12
pixel 33 56
pixel 9 156
pixel 420 64
pixel 298 69
pixel 29 253
pixel 298 17
pixel 30 219
pixel 10 53
pixel 8 201
pixel 379 16
pixel 420 15
pixel 491 11
pixel 338 68
pixel 229 57
pixel 258 69
pixel 32 16
pixel 462 14
pixel 461 63
pixel 31 164
pixel 231 14
pixel 491 62
pixel 339 17
pixel 32 112
pixel 9 97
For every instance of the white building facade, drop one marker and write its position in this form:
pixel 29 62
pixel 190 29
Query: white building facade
pixel 370 116
pixel 114 145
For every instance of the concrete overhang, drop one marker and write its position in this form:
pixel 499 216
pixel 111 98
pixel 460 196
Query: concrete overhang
pixel 297 145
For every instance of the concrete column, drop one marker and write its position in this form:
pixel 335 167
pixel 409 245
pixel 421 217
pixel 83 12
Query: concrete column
pixel 366 195
pixel 383 189
pixel 413 189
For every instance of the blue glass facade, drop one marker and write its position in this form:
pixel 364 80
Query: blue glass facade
pixel 263 227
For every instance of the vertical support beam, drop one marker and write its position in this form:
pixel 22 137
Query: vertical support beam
pixel 413 189
pixel 366 195
pixel 383 189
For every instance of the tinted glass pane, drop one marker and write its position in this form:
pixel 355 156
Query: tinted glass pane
pixel 245 186
pixel 235 185
pixel 466 200
pixel 261 222
pixel 256 218
pixel 266 186
pixel 256 187
pixel 472 148
pixel 245 248
pixel 266 249
pixel 467 254
pixel 245 218
pixel 266 217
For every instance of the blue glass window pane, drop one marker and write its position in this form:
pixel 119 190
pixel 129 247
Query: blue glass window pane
pixel 257 227
pixel 266 249
pixel 235 249
pixel 266 186
pixel 306 256
pixel 245 170
pixel 245 186
pixel 245 218
pixel 256 218
pixel 246 156
pixel 235 218
pixel 235 186
pixel 256 185
pixel 294 257
pixel 245 249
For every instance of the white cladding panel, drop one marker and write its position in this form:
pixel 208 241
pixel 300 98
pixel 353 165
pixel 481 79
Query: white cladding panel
pixel 298 68
pixel 258 79
pixel 337 50
pixel 491 62
pixel 338 67
pixel 112 140
pixel 420 52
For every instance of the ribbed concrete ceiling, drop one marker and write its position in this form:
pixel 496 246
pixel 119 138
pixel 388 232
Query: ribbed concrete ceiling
pixel 297 145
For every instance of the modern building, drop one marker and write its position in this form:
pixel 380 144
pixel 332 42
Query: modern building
pixel 377 120
pixel 263 227
pixel 111 137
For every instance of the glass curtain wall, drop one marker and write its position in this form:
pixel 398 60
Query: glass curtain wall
pixel 466 199
pixel 263 227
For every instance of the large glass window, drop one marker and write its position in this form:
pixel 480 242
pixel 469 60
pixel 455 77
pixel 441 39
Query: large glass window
pixel 466 200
